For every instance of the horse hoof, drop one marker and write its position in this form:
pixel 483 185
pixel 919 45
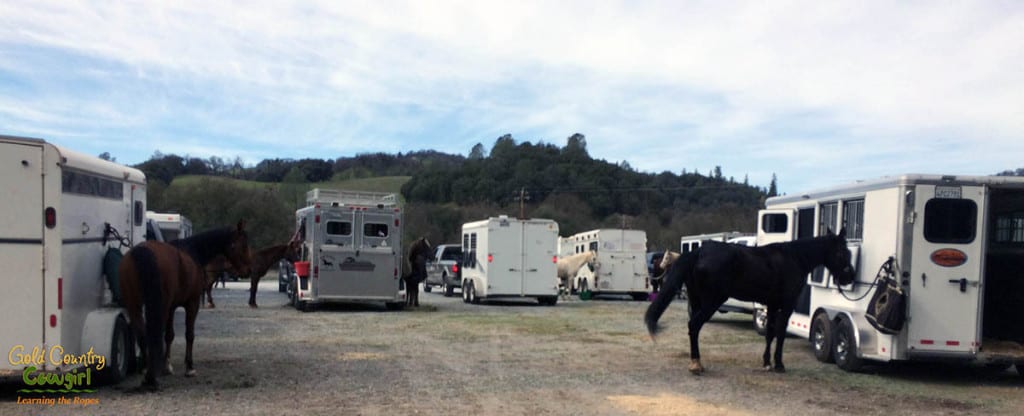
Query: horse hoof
pixel 767 368
pixel 253 305
pixel 190 373
pixel 695 368
pixel 780 369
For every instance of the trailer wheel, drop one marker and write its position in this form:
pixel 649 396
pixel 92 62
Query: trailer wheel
pixel 472 294
pixel 845 347
pixel 122 353
pixel 821 338
pixel 760 318
pixel 465 292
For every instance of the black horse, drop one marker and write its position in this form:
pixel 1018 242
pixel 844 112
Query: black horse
pixel 419 253
pixel 772 275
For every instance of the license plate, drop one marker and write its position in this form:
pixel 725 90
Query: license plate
pixel 948 192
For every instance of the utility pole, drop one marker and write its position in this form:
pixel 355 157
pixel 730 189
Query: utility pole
pixel 522 202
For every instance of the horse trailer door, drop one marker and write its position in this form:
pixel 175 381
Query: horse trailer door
pixel 540 240
pixel 775 226
pixel 504 258
pixel 946 268
pixel 21 247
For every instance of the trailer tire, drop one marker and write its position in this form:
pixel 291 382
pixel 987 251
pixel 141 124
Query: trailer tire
pixel 122 354
pixel 760 319
pixel 465 292
pixel 472 294
pixel 821 338
pixel 845 347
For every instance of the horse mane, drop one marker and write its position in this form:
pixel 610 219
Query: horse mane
pixel 205 246
pixel 808 252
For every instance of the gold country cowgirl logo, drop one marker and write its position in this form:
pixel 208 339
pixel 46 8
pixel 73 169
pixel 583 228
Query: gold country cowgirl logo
pixel 43 381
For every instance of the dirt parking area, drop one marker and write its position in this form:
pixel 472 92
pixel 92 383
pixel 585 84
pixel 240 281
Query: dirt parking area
pixel 447 357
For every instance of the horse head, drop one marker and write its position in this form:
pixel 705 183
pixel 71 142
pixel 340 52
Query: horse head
pixel 237 251
pixel 293 252
pixel 838 258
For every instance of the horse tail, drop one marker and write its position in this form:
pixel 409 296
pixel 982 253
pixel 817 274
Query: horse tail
pixel 152 299
pixel 676 275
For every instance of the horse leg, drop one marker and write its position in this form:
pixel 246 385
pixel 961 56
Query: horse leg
pixel 780 333
pixel 191 311
pixel 697 322
pixel 168 339
pixel 769 335
pixel 255 281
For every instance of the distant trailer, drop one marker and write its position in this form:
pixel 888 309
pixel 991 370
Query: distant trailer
pixel 620 266
pixel 352 249
pixel 506 257
pixel 693 242
pixel 58 207
pixel 173 226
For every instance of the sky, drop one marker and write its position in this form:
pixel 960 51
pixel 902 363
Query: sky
pixel 817 93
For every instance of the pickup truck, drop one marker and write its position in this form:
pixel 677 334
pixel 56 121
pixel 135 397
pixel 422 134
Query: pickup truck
pixel 443 269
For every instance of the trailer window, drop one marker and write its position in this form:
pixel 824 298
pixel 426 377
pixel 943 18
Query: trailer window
pixel 775 223
pixel 140 213
pixel 339 228
pixel 950 220
pixel 451 253
pixel 827 218
pixel 853 219
pixel 90 185
pixel 1010 228
pixel 593 246
pixel 375 230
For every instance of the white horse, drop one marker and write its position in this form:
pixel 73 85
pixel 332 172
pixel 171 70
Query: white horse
pixel 569 265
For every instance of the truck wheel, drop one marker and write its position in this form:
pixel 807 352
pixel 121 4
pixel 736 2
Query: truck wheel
pixel 122 352
pixel 821 338
pixel 845 347
pixel 761 321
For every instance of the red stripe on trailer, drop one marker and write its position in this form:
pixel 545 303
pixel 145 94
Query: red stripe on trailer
pixel 60 293
pixel 53 321
pixel 927 342
pixel 952 343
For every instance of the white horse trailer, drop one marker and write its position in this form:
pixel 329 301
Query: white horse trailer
pixel 690 243
pixel 620 265
pixel 173 226
pixel 958 247
pixel 510 257
pixel 55 216
pixel 351 250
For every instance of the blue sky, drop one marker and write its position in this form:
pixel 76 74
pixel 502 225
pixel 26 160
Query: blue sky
pixel 819 93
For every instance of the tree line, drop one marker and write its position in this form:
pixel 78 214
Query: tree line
pixel 563 183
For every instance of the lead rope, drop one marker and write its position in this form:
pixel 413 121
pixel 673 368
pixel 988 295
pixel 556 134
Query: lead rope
pixel 886 271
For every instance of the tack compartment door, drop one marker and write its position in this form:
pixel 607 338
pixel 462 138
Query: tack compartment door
pixel 21 248
pixel 946 269
pixel 540 249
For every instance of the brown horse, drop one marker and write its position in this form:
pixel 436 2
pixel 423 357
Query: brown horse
pixel 261 262
pixel 419 253
pixel 161 277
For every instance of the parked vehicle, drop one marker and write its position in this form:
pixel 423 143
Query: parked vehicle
pixel 172 225
pixel 956 245
pixel 64 212
pixel 510 257
pixel 443 269
pixel 351 249
pixel 620 266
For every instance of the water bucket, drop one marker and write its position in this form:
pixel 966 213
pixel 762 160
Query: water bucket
pixel 302 268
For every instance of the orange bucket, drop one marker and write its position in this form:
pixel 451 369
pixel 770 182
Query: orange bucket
pixel 302 268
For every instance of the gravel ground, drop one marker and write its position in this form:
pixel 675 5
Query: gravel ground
pixel 514 357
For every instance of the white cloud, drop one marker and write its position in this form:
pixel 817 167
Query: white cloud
pixel 756 87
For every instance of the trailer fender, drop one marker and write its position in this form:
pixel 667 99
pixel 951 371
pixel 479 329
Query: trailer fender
pixel 98 331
